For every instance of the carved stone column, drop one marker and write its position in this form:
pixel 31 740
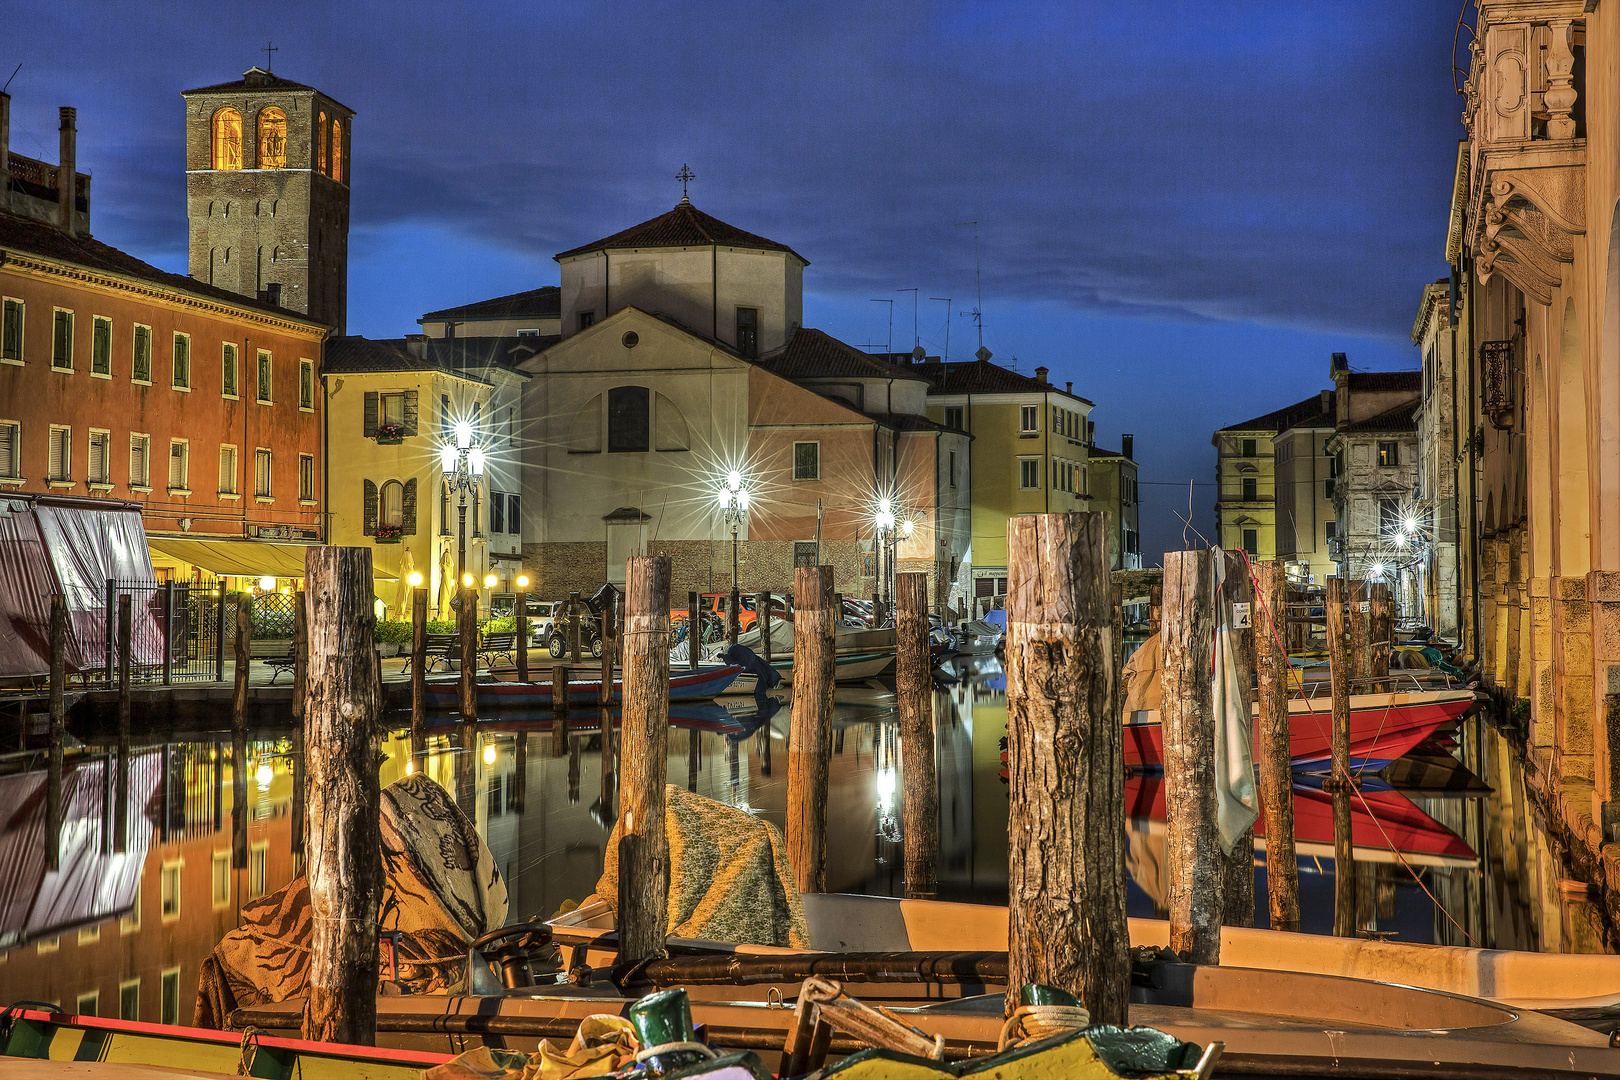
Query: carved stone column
pixel 1603 592
pixel 1512 590
pixel 1525 682
pixel 1487 611
pixel 1542 726
pixel 1572 680
pixel 1560 95
pixel 1502 596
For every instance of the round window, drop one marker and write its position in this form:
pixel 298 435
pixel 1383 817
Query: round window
pixel 631 339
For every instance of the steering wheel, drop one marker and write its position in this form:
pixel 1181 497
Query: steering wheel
pixel 512 947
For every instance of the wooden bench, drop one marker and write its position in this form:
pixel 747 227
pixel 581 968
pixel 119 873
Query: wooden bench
pixel 276 655
pixel 497 645
pixel 441 649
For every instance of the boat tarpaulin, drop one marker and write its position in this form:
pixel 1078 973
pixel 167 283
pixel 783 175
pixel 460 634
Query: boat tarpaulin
pixel 246 558
pixel 72 547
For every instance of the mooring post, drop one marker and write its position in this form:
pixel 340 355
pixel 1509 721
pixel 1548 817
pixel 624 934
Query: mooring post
pixel 1381 630
pixel 877 610
pixel 1338 782
pixel 914 686
pixel 344 862
pixel 693 758
pixel 763 602
pixel 126 631
pixel 573 628
pixel 605 700
pixel 810 744
pixel 520 622
pixel 1358 594
pixel 419 620
pixel 300 692
pixel 733 615
pixel 1066 766
pixel 1237 866
pixel 1192 844
pixel 520 773
pixel 239 699
pixel 1272 752
pixel 694 631
pixel 561 675
pixel 467 624
pixel 53 776
pixel 643 847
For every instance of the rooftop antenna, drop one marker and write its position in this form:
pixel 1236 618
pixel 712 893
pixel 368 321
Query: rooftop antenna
pixel 916 339
pixel 978 286
pixel 947 357
pixel 890 348
pixel 14 71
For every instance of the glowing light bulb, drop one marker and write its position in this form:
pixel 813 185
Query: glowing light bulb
pixel 410 766
pixel 447 458
pixel 742 500
pixel 489 754
pixel 1400 541
pixel 884 506
pixel 265 774
pixel 475 460
pixel 463 435
pixel 1410 525
pixel 724 497
pixel 734 480
pixel 1377 569
pixel 466 581
pixel 267 584
pixel 907 528
pixel 416 580
pixel 489 581
pixel 523 581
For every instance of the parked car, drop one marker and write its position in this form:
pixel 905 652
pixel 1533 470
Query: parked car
pixel 556 627
pixel 715 604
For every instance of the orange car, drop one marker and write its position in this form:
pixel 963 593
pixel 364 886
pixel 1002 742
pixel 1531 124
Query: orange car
pixel 715 604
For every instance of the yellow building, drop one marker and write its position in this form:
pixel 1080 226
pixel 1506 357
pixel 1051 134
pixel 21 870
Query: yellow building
pixel 1246 477
pixel 1028 457
pixel 391 406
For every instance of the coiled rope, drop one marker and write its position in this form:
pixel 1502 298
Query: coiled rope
pixel 1031 1023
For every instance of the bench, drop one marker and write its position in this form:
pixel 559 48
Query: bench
pixel 276 655
pixel 441 649
pixel 497 645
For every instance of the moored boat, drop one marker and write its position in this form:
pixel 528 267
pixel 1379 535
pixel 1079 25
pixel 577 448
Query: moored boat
pixel 505 690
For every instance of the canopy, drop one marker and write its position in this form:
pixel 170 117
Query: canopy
pixel 245 558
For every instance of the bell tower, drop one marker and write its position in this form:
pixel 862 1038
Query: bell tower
pixel 267 192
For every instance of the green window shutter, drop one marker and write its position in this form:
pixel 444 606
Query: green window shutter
pixel 62 342
pixel 142 368
pixel 370 526
pixel 101 350
pixel 369 429
pixel 11 334
pixel 410 414
pixel 182 361
pixel 408 509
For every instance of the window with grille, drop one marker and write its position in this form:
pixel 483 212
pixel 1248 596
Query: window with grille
pixel 140 458
pixel 227 470
pixel 179 454
pixel 98 469
pixel 306 384
pixel 140 367
pixel 60 465
pixel 228 372
pixel 306 477
pixel 807 461
pixel 101 347
pixel 62 340
pixel 261 473
pixel 182 362
pixel 11 330
pixel 264 378
pixel 10 446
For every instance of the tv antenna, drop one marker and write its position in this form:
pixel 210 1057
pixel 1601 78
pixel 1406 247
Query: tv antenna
pixel 977 313
pixel 947 357
pixel 890 349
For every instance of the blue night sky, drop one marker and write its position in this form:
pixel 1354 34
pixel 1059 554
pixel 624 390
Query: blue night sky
pixel 1182 207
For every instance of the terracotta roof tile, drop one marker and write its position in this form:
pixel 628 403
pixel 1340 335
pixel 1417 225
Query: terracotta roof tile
pixel 1295 415
pixel 983 377
pixel 684 226
pixel 542 303
pixel 1387 380
pixel 812 354
pixel 1402 417
pixel 357 355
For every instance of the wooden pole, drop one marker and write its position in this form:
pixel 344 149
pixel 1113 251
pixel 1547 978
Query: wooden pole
pixel 344 864
pixel 573 628
pixel 244 652
pixel 734 615
pixel 467 624
pixel 914 686
pixel 810 744
pixel 1193 851
pixel 1237 866
pixel 763 602
pixel 693 758
pixel 1272 754
pixel 1358 593
pixel 605 700
pixel 1344 865
pixel 126 627
pixel 643 847
pixel 1066 767
pixel 300 692
pixel 694 631
pixel 1381 629
pixel 53 776
pixel 521 623
pixel 559 710
pixel 419 620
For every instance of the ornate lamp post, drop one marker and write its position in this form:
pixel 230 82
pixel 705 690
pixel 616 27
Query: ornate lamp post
pixel 463 465
pixel 733 499
pixel 892 526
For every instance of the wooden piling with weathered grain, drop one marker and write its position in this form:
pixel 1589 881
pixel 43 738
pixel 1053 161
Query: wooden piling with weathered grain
pixel 1381 634
pixel 1237 865
pixel 573 629
pixel 467 626
pixel 58 726
pixel 919 811
pixel 520 623
pixel 763 603
pixel 1338 783
pixel 239 698
pixel 1066 768
pixel 694 631
pixel 810 742
pixel 1192 844
pixel 344 860
pixel 1272 752
pixel 419 620
pixel 643 846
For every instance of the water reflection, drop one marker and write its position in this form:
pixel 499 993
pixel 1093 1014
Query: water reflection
pixel 125 934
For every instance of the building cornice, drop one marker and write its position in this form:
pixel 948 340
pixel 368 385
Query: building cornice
pixel 1435 298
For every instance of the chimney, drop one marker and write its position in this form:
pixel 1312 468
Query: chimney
pixel 1127 446
pixel 66 173
pixel 1068 388
pixel 1340 370
pixel 5 151
pixel 1327 401
pixel 1040 375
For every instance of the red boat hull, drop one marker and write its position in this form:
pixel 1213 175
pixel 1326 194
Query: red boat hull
pixel 1383 727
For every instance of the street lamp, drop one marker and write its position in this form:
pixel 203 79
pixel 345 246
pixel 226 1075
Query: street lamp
pixel 733 498
pixel 891 525
pixel 463 465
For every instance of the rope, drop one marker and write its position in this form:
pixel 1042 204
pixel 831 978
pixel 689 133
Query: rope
pixel 249 1051
pixel 674 1048
pixel 1031 1023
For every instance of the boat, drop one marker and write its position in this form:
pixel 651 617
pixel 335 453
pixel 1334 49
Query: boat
pixel 978 637
pixel 505 690
pixel 1382 727
pixel 847 667
pixel 691 715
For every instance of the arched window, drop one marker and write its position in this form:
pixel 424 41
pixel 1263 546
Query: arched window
pixel 628 420
pixel 393 504
pixel 320 139
pixel 272 139
pixel 337 150
pixel 227 139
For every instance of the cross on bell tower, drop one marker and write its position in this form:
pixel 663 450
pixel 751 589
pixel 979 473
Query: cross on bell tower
pixel 685 176
pixel 269 47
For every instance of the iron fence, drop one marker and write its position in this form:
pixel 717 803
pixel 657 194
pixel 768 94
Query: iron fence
pixel 175 632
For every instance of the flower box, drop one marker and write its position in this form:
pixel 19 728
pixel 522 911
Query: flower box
pixel 390 434
pixel 388 534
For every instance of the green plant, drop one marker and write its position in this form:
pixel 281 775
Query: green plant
pixel 1519 714
pixel 393 632
pixel 503 625
pixel 441 626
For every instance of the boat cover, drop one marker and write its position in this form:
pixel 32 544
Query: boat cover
pixel 729 876
pixel 441 890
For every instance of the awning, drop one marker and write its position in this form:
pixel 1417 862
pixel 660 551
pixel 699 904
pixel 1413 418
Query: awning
pixel 245 558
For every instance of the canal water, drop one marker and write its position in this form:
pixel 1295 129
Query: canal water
pixel 123 934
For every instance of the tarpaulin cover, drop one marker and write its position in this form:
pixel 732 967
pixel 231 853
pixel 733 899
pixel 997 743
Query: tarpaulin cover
pixel 93 883
pixel 250 558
